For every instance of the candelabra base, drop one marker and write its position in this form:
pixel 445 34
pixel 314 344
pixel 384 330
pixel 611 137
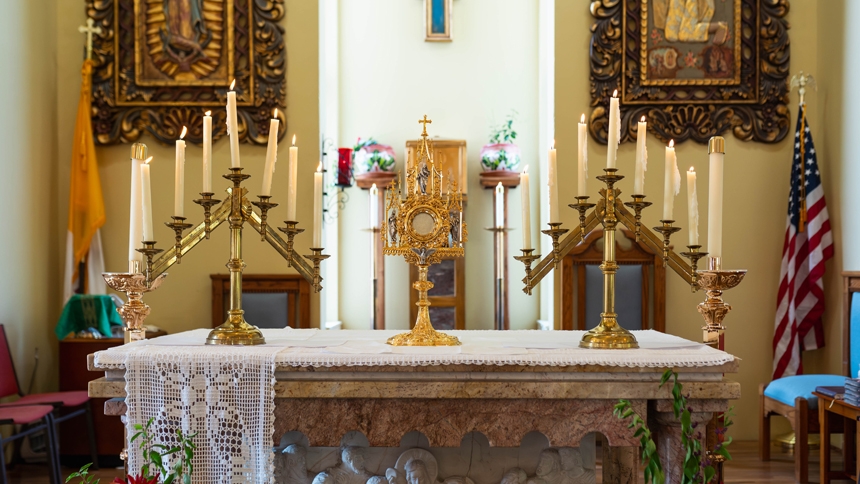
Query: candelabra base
pixel 608 336
pixel 236 331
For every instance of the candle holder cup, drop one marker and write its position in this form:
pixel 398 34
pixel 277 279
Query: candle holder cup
pixel 694 255
pixel 149 251
pixel 264 205
pixel 291 230
pixel 527 258
pixel 207 202
pixel 582 206
pixel 637 205
pixel 555 231
pixel 316 257
pixel 178 225
pixel 666 229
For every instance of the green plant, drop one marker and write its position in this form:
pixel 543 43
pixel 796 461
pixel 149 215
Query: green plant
pixel 157 457
pixel 504 133
pixel 697 467
pixel 84 475
pixel 494 163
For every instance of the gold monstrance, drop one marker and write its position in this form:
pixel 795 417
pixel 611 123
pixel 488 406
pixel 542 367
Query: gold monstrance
pixel 424 227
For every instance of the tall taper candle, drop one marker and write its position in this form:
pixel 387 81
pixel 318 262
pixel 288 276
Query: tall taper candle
pixel 672 182
pixel 582 159
pixel 692 207
pixel 716 154
pixel 233 126
pixel 207 152
pixel 552 181
pixel 641 159
pixel 271 155
pixel 146 200
pixel 179 186
pixel 613 132
pixel 525 207
pixel 500 206
pixel 374 206
pixel 318 200
pixel 291 186
pixel 135 226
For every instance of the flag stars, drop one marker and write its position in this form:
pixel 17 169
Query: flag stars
pixel 808 172
pixel 812 151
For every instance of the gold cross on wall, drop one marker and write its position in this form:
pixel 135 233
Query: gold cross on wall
pixel 90 29
pixel 425 121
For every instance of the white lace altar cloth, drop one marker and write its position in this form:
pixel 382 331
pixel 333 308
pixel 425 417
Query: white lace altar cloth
pixel 311 347
pixel 226 393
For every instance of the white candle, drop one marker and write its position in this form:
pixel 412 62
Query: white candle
pixel 716 150
pixel 552 182
pixel 146 200
pixel 672 182
pixel 500 206
pixel 179 186
pixel 291 186
pixel 233 126
pixel 524 203
pixel 582 159
pixel 692 207
pixel 613 132
pixel 641 159
pixel 374 207
pixel 318 199
pixel 271 155
pixel 135 226
pixel 207 152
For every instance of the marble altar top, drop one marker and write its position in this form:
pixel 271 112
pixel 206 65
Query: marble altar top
pixel 303 348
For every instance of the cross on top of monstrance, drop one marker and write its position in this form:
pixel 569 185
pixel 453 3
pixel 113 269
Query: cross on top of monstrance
pixel 424 227
pixel 90 29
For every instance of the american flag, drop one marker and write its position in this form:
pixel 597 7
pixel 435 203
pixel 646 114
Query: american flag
pixel 808 244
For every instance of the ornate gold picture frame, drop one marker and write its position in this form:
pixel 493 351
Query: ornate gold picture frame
pixel 693 68
pixel 160 64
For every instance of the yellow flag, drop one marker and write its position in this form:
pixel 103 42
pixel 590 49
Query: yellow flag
pixel 86 205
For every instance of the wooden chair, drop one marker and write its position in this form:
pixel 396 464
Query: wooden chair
pixel 286 297
pixel 628 252
pixel 791 397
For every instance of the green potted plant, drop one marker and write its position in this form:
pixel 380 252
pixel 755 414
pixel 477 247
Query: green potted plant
pixel 500 158
pixel 373 163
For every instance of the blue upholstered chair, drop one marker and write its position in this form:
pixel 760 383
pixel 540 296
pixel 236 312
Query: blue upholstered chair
pixel 791 397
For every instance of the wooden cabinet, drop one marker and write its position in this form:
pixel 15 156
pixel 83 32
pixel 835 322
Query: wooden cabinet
pixel 110 432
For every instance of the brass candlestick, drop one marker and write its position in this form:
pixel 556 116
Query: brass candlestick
pixel 207 202
pixel 667 230
pixel 694 255
pixel 134 311
pixel 714 281
pixel 316 257
pixel 291 230
pixel 178 225
pixel 582 206
pixel 608 334
pixel 424 227
pixel 637 205
pixel 149 251
pixel 555 231
pixel 264 205
pixel 527 258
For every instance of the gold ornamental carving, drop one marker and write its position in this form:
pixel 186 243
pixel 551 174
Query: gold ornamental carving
pixel 424 223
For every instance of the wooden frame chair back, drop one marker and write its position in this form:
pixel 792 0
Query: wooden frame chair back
pixel 298 292
pixel 590 252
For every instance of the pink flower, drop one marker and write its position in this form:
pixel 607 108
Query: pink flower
pixel 690 59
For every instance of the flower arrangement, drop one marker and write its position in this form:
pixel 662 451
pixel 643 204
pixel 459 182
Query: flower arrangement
pixel 501 153
pixel 370 156
pixel 172 462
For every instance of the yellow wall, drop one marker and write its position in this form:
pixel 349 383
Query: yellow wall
pixel 29 305
pixel 756 189
pixel 183 302
pixel 389 78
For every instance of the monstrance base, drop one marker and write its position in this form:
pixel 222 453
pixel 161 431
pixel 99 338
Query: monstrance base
pixel 423 338
pixel 608 337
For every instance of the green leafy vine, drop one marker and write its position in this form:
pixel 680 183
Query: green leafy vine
pixel 699 466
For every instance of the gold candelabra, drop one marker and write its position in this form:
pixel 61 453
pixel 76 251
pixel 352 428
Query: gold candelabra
pixel 236 210
pixel 609 211
pixel 424 227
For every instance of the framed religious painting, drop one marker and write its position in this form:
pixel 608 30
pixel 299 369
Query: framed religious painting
pixel 693 68
pixel 161 64
pixel 437 20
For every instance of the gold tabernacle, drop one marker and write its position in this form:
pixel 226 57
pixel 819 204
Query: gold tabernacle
pixel 424 227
